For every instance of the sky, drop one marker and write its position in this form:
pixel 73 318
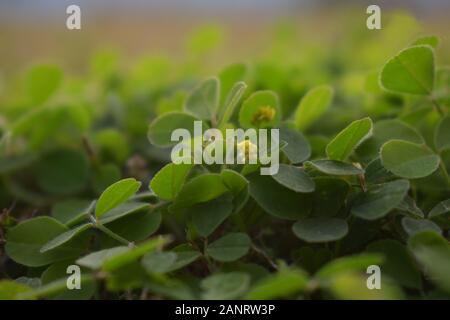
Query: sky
pixel 50 7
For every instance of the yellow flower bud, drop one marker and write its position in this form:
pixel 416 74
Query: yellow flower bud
pixel 264 114
pixel 247 151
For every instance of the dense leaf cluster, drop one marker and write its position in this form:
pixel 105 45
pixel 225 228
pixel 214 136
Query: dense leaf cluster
pixel 359 186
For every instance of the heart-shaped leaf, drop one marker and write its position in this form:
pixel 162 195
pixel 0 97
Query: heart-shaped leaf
pixel 410 71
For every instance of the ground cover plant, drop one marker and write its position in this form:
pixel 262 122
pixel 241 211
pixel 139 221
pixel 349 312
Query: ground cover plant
pixel 86 177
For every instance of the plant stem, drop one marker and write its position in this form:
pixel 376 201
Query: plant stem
pixel 444 171
pixel 110 233
pixel 265 256
pixel 158 205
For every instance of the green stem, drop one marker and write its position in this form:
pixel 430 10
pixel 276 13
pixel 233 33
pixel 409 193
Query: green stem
pixel 444 171
pixel 101 227
pixel 159 205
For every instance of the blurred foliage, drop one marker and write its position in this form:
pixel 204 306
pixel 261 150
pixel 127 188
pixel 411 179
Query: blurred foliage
pixel 68 139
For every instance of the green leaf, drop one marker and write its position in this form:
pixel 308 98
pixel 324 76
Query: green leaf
pixel 353 286
pixel 432 41
pixel 329 197
pixel 278 200
pixel 123 210
pixel 440 209
pixel 408 160
pixel 398 264
pixel 104 176
pixel 224 286
pixel 433 253
pixel 294 178
pixel 312 106
pixel 70 212
pixel 376 173
pixel 65 237
pixel 410 71
pixel 54 287
pixel 317 230
pixel 169 180
pixel 199 189
pixel 117 257
pixel 428 238
pixel 297 149
pixel 347 264
pixel 160 130
pixel 409 206
pixel 158 262
pixel 333 167
pixel 11 290
pixel 42 81
pixel 413 226
pixel 111 145
pixel 233 98
pixel 234 181
pixel 230 247
pixel 380 199
pixel 14 163
pixel 24 241
pixel 135 226
pixel 437 264
pixel 203 102
pixel 442 134
pixel 206 217
pixel 116 194
pixel 58 272
pixel 284 283
pixel 185 256
pixel 260 110
pixel 386 130
pixel 229 77
pixel 62 171
pixel 96 259
pixel 343 145
pixel 123 258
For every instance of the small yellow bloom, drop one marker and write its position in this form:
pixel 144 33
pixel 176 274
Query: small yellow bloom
pixel 246 151
pixel 264 114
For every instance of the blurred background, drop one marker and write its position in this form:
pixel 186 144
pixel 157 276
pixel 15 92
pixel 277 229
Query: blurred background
pixel 34 30
pixel 98 88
